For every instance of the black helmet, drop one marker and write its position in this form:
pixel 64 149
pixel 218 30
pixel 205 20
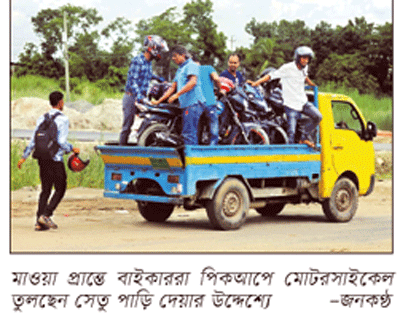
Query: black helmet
pixel 155 45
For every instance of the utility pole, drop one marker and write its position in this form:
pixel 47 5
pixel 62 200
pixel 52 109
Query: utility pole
pixel 65 40
pixel 232 40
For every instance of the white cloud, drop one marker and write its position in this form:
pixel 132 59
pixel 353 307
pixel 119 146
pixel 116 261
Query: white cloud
pixel 45 4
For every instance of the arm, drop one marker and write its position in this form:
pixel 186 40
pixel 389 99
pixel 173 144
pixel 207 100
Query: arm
pixel 62 135
pixel 215 78
pixel 167 94
pixel 188 87
pixel 133 76
pixel 259 81
pixel 30 146
pixel 309 82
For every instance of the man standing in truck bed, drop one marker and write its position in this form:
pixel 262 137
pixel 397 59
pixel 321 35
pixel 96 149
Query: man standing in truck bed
pixel 186 86
pixel 293 76
pixel 138 79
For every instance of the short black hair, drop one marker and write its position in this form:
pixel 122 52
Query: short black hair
pixel 234 54
pixel 195 58
pixel 55 98
pixel 180 50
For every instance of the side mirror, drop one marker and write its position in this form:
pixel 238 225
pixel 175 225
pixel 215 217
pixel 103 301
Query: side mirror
pixel 371 131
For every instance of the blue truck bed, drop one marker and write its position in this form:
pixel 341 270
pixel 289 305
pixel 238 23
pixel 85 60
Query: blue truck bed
pixel 179 172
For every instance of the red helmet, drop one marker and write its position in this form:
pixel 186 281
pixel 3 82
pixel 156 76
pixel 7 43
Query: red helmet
pixel 75 164
pixel 226 84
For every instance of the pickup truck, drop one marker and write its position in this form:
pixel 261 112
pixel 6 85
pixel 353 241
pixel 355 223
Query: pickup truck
pixel 228 180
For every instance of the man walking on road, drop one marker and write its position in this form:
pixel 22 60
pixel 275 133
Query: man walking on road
pixel 52 170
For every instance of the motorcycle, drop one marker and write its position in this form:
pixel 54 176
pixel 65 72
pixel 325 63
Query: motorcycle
pixel 253 108
pixel 162 124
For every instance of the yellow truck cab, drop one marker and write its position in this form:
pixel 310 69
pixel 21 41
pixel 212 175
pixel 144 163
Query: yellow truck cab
pixel 347 150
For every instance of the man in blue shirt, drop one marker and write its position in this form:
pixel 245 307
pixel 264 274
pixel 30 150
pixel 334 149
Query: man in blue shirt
pixel 52 171
pixel 186 87
pixel 209 76
pixel 232 73
pixel 138 79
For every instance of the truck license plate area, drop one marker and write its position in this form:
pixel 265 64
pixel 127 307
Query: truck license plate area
pixel 159 163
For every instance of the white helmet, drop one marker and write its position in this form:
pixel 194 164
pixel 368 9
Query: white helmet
pixel 303 51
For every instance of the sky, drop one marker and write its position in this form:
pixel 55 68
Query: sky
pixel 231 16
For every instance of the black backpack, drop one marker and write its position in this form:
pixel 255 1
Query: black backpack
pixel 46 145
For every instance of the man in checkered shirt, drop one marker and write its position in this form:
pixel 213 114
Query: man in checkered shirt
pixel 139 76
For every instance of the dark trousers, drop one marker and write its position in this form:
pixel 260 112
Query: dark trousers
pixel 52 173
pixel 129 112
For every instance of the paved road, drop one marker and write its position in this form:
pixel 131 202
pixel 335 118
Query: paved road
pixel 89 136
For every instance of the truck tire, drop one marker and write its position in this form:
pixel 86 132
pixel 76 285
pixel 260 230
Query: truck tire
pixel 155 212
pixel 228 208
pixel 147 136
pixel 271 210
pixel 343 203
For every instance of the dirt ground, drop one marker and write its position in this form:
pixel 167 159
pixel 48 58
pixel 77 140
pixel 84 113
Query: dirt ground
pixel 90 223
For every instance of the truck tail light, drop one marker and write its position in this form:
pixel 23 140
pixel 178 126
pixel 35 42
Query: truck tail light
pixel 116 177
pixel 174 179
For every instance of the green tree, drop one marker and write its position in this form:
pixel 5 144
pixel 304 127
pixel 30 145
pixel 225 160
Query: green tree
pixel 169 26
pixel 209 44
pixel 344 70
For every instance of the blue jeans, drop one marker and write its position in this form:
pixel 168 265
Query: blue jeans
pixel 293 116
pixel 190 123
pixel 212 115
pixel 129 112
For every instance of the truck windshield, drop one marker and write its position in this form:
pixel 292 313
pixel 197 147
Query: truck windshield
pixel 346 117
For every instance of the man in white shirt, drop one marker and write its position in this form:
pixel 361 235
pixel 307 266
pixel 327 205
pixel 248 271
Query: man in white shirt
pixel 293 76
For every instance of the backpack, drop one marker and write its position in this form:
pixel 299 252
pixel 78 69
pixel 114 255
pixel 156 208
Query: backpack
pixel 46 145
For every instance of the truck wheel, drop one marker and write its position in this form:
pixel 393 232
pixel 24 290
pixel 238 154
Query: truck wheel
pixel 343 203
pixel 155 212
pixel 228 208
pixel 271 210
pixel 147 136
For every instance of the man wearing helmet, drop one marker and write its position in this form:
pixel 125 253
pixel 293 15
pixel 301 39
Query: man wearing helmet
pixel 293 75
pixel 138 79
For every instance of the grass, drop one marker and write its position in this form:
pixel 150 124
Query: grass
pixel 376 109
pixel 40 87
pixel 28 176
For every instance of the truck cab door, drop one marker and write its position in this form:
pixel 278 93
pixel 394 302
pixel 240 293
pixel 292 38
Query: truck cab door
pixel 352 151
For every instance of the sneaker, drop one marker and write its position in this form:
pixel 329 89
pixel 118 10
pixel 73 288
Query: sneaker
pixel 308 143
pixel 40 227
pixel 46 221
